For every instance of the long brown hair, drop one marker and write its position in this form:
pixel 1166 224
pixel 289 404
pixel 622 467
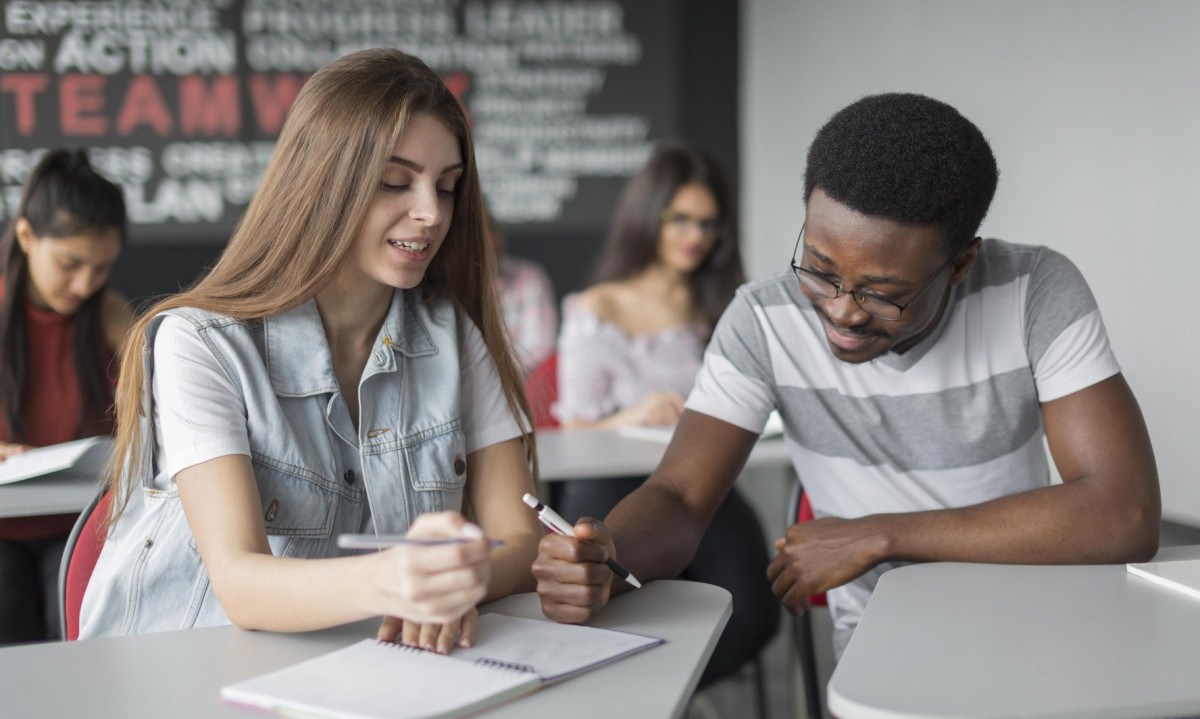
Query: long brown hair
pixel 633 239
pixel 301 223
pixel 63 197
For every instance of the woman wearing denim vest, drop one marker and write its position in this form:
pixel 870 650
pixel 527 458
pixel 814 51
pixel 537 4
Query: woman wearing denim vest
pixel 342 369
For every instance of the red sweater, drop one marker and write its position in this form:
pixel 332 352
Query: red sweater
pixel 53 404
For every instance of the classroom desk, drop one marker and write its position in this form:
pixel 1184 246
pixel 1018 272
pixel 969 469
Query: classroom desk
pixel 180 674
pixel 46 495
pixel 987 640
pixel 564 454
pixel 592 453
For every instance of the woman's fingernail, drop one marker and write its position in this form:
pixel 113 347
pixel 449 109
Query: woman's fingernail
pixel 472 531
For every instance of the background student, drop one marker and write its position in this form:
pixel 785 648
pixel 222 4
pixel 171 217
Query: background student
pixel 629 350
pixel 527 295
pixel 60 328
pixel 343 368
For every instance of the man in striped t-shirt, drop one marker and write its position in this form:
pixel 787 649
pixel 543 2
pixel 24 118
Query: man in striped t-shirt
pixel 917 369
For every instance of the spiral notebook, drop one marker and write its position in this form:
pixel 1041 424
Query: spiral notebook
pixel 380 680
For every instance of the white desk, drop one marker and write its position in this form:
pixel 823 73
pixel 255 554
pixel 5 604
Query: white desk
pixel 591 453
pixel 46 495
pixel 179 674
pixel 564 454
pixel 986 640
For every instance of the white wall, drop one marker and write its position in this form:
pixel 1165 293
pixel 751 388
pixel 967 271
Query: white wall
pixel 1093 110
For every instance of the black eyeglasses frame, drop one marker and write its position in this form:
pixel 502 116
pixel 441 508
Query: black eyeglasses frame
pixel 859 298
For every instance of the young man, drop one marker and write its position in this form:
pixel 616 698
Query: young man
pixel 917 369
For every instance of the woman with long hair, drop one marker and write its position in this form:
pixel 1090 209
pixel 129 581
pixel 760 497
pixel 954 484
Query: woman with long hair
pixel 342 369
pixel 631 346
pixel 60 328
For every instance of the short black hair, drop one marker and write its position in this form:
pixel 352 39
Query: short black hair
pixel 909 158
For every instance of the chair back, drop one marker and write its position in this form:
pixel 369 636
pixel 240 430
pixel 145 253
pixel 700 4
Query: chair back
pixel 541 387
pixel 78 560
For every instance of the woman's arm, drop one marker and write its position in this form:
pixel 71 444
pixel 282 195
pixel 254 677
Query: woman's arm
pixel 497 477
pixel 261 591
pixel 657 409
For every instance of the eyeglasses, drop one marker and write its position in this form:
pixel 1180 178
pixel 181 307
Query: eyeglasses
pixel 871 304
pixel 680 220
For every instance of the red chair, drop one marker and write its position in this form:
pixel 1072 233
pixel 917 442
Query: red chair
pixel 541 387
pixel 78 560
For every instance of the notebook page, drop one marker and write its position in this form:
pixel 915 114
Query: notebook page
pixel 552 650
pixel 378 680
pixel 56 458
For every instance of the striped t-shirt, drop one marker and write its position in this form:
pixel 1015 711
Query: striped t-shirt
pixel 954 421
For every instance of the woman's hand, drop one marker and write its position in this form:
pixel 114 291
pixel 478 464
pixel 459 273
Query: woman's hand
pixel 435 584
pixel 440 638
pixel 8 449
pixel 658 409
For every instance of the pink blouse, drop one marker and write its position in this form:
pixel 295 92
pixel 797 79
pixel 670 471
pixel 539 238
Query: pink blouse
pixel 603 369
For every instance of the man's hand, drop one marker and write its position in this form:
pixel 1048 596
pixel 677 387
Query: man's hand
pixel 822 554
pixel 573 581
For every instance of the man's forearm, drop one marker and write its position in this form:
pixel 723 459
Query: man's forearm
pixel 1073 523
pixel 655 533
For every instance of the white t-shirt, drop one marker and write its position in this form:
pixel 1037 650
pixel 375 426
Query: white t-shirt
pixel 197 416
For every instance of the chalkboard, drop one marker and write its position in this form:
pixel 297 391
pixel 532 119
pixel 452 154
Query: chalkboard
pixel 180 101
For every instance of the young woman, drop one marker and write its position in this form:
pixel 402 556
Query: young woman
pixel 60 327
pixel 631 346
pixel 342 369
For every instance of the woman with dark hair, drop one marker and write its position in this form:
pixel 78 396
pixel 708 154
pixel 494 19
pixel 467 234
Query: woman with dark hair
pixel 630 348
pixel 60 328
pixel 343 369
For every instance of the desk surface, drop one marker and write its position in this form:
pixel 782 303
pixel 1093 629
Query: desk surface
pixel 592 453
pixel 180 674
pixel 564 454
pixel 986 640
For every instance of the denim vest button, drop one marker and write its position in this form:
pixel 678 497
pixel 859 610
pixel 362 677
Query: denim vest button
pixel 349 476
pixel 460 464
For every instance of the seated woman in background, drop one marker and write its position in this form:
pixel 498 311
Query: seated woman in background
pixel 342 369
pixel 630 349
pixel 60 328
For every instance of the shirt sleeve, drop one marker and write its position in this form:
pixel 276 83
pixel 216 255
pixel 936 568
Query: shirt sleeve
pixel 198 414
pixel 1065 337
pixel 487 420
pixel 735 383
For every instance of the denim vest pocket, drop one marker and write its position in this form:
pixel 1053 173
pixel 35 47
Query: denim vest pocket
pixel 298 505
pixel 437 463
pixel 162 572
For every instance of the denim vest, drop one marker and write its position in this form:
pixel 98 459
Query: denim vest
pixel 410 441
